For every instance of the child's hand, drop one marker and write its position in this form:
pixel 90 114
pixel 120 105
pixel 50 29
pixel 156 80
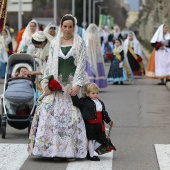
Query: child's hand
pixel 111 123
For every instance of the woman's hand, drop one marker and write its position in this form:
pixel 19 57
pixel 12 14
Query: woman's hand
pixel 165 44
pixel 74 90
pixel 47 91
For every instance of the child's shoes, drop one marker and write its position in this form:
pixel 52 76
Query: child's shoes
pixel 94 158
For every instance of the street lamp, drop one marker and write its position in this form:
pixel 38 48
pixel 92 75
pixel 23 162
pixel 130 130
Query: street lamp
pixel 73 7
pixel 89 18
pixel 55 11
pixel 94 2
pixel 100 8
pixel 84 14
pixel 19 14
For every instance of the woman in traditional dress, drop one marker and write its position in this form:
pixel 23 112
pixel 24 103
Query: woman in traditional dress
pixel 108 48
pixel 58 129
pixel 26 45
pixel 116 33
pixel 7 41
pixel 159 62
pixel 41 41
pixel 19 37
pixel 95 61
pixel 119 69
pixel 52 29
pixel 3 57
pixel 124 34
pixel 134 54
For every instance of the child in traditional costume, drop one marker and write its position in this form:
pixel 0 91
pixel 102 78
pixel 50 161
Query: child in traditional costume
pixel 120 70
pixel 94 114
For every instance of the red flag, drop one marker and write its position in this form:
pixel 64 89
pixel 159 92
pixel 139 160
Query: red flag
pixel 3 13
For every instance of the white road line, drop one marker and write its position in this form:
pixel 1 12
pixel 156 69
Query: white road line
pixel 163 156
pixel 12 156
pixel 104 163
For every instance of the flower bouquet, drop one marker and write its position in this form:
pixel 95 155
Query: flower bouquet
pixel 107 146
pixel 53 85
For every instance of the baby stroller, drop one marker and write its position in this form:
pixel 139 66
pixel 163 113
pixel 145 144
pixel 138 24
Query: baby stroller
pixel 17 103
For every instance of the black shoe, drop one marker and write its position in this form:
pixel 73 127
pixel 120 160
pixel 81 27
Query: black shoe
pixel 121 82
pixel 161 83
pixel 94 158
pixel 116 82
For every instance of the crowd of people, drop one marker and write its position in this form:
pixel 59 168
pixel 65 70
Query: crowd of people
pixel 69 123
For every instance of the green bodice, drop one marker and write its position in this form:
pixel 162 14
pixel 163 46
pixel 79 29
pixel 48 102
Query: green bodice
pixel 66 67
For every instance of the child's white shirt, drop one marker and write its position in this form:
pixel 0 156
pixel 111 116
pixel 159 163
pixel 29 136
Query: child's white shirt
pixel 98 104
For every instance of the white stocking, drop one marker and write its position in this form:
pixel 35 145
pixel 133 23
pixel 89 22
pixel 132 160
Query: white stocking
pixel 96 145
pixel 91 148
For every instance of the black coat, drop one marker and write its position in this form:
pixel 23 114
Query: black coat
pixel 88 108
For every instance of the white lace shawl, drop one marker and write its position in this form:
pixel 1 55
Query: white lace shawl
pixel 94 48
pixel 136 45
pixel 79 53
pixel 26 37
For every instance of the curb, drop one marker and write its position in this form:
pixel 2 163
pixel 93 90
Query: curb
pixel 147 56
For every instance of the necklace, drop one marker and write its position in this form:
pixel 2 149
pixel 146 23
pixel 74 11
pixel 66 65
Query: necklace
pixel 68 38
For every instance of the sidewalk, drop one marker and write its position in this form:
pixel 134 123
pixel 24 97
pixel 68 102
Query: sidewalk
pixel 147 55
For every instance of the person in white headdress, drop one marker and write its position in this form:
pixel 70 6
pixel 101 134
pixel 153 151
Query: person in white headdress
pixel 41 40
pixel 3 57
pixel 7 41
pixel 58 129
pixel 52 29
pixel 95 60
pixel 117 33
pixel 159 62
pixel 124 34
pixel 134 54
pixel 26 44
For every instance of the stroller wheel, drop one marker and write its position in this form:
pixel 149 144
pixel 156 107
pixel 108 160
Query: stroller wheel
pixel 3 131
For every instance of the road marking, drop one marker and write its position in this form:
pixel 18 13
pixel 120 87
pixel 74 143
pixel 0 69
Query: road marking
pixel 104 163
pixel 12 156
pixel 163 156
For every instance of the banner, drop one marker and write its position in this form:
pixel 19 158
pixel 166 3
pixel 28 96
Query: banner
pixel 103 20
pixel 111 21
pixel 3 14
pixel 106 20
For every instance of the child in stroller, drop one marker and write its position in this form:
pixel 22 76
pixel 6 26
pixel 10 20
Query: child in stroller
pixel 21 72
pixel 19 100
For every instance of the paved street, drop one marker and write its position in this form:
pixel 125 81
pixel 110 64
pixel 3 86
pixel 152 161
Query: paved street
pixel 140 111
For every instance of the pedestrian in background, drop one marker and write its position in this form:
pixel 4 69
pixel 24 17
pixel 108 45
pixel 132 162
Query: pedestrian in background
pixel 159 62
pixel 95 61
pixel 134 54
pixel 26 45
pixel 120 70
